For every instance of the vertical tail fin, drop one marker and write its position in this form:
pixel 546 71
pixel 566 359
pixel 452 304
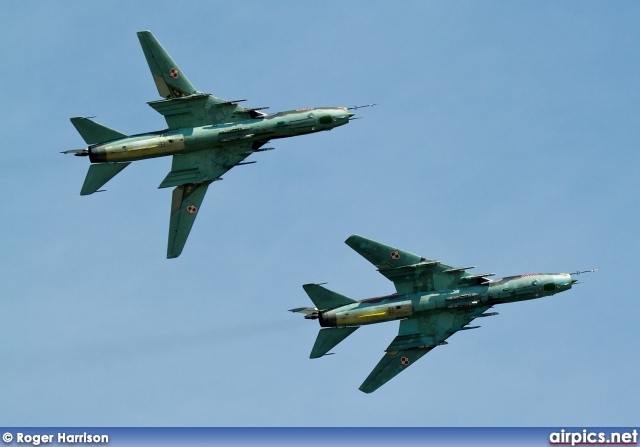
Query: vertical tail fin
pixel 325 298
pixel 170 81
pixel 94 133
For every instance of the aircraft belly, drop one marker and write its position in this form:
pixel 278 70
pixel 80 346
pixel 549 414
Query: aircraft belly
pixel 200 142
pixel 430 311
pixel 374 314
pixel 301 126
pixel 429 301
pixel 139 149
pixel 525 293
pixel 511 292
pixel 207 136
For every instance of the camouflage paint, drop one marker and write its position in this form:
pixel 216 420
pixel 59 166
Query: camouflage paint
pixel 433 302
pixel 206 136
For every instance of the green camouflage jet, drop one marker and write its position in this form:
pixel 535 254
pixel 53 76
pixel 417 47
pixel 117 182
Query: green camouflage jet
pixel 433 302
pixel 207 136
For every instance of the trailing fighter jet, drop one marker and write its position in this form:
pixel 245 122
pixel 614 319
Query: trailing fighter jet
pixel 433 302
pixel 207 136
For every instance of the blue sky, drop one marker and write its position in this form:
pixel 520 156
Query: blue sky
pixel 506 137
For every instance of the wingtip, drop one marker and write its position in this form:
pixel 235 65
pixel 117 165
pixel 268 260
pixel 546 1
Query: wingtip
pixel 352 238
pixel 314 284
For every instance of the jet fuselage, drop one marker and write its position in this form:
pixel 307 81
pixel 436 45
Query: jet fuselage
pixel 191 139
pixel 395 307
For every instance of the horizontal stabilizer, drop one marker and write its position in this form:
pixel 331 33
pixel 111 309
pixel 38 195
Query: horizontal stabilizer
pixel 381 255
pixel 99 174
pixel 328 338
pixel 325 298
pixel 94 133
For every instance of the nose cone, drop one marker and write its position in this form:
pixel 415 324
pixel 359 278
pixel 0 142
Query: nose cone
pixel 340 116
pixel 563 281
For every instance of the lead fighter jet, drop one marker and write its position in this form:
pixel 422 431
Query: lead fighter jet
pixel 433 302
pixel 207 136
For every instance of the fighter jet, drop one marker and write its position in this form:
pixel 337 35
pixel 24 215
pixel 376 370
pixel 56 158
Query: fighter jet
pixel 207 136
pixel 433 302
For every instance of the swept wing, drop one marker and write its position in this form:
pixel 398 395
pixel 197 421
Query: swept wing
pixel 192 173
pixel 184 106
pixel 416 337
pixel 411 273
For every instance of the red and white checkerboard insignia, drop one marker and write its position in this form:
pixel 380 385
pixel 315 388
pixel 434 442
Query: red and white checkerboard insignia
pixel 192 209
pixel 174 72
pixel 404 361
pixel 395 254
